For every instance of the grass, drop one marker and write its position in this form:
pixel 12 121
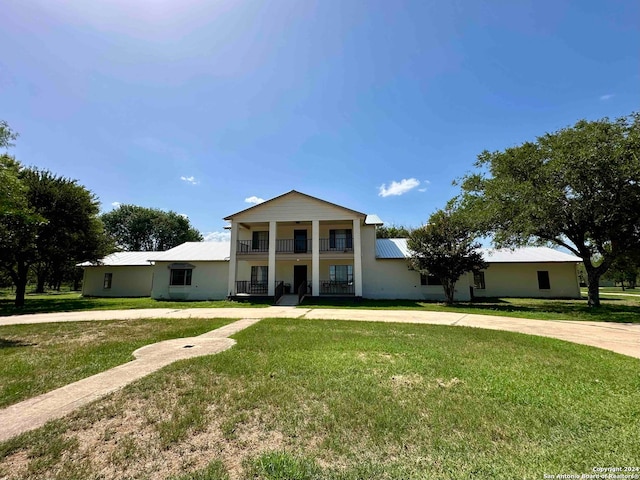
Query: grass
pixel 612 309
pixel 37 358
pixel 305 399
pixel 74 301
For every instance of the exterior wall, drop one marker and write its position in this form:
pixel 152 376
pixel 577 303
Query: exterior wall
pixel 392 279
pixel 130 281
pixel 521 280
pixel 208 282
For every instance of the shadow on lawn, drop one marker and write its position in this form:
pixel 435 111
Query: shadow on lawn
pixel 50 303
pixel 6 343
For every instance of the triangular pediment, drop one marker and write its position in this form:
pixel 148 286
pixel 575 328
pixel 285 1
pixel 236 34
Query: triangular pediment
pixel 294 205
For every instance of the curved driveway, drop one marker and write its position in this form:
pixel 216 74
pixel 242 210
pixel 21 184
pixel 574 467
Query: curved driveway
pixel 617 337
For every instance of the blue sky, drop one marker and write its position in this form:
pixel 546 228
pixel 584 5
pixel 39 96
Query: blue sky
pixel 201 106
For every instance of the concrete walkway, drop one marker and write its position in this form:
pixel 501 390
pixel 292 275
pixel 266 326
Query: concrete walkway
pixel 37 411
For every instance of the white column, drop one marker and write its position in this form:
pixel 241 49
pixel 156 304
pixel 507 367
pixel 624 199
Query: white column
pixel 233 258
pixel 271 285
pixel 357 258
pixel 315 258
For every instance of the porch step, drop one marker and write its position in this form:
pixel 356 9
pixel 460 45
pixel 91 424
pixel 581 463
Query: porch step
pixel 288 300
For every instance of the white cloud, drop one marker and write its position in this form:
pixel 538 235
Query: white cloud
pixel 192 180
pixel 184 215
pixel 115 204
pixel 224 236
pixel 422 190
pixel 606 97
pixel 253 199
pixel 398 188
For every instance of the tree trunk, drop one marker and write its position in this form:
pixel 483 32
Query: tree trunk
pixel 40 282
pixel 593 285
pixel 449 290
pixel 21 284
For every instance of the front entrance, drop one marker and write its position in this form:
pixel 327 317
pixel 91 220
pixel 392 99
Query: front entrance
pixel 299 277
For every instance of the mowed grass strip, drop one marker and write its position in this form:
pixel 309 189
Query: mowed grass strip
pixel 35 359
pixel 341 400
pixel 70 302
pixel 619 309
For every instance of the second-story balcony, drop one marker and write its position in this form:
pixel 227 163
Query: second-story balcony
pixel 295 245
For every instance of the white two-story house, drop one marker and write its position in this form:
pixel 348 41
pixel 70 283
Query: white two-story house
pixel 302 245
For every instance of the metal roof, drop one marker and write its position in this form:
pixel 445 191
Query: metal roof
pixel 373 220
pixel 122 259
pixel 389 248
pixel 527 255
pixel 392 248
pixel 194 252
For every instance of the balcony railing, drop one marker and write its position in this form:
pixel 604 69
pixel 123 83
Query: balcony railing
pixel 251 288
pixel 295 245
pixel 249 246
pixel 334 287
pixel 336 244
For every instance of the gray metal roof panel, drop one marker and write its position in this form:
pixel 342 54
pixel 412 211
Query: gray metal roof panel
pixel 195 251
pixel 389 248
pixel 121 259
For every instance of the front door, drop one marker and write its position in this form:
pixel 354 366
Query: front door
pixel 300 241
pixel 299 277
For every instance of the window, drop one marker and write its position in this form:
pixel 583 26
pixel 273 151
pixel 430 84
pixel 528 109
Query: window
pixel 259 275
pixel 543 280
pixel 478 280
pixel 341 273
pixel 260 241
pixel 430 280
pixel 180 276
pixel 107 280
pixel 340 239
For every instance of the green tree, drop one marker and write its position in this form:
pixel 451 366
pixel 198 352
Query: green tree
pixel 11 190
pixel 625 269
pixel 578 188
pixel 46 222
pixel 393 231
pixel 135 228
pixel 445 247
pixel 72 231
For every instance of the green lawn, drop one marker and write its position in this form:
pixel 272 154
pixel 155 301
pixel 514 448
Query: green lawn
pixel 73 301
pixel 41 357
pixel 312 399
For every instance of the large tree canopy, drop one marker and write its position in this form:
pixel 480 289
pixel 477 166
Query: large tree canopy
pixel 135 228
pixel 72 230
pixel 47 222
pixel 578 188
pixel 446 248
pixel 56 227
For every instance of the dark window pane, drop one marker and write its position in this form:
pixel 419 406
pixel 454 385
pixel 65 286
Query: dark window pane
pixel 543 280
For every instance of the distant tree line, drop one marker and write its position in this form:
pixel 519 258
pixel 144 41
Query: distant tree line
pixel 49 223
